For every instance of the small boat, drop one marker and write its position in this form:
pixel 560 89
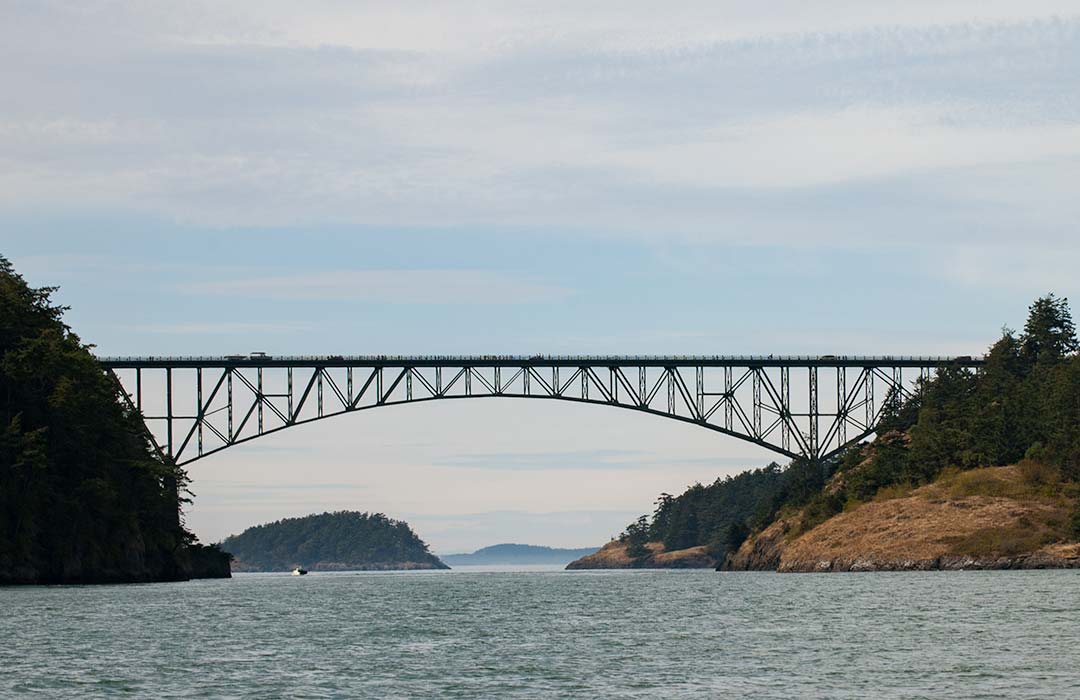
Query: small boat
pixel 299 572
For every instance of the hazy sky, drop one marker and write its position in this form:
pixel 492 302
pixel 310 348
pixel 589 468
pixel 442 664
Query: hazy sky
pixel 492 177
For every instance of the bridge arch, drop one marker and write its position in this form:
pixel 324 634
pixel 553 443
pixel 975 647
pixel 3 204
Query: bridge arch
pixel 801 406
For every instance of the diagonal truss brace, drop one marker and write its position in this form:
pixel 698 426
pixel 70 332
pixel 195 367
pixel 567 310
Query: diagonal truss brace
pixel 757 403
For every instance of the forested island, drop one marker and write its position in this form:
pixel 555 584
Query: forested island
pixel 339 541
pixel 84 496
pixel 975 470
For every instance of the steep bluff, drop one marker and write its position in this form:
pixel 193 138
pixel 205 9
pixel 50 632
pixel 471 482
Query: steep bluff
pixel 84 496
pixel 991 518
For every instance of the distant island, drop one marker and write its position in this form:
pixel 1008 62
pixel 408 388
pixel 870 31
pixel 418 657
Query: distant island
pixel 973 470
pixel 499 554
pixel 339 541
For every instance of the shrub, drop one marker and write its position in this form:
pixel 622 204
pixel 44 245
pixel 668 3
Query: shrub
pixel 887 493
pixel 1038 473
pixel 727 540
pixel 1002 541
pixel 819 509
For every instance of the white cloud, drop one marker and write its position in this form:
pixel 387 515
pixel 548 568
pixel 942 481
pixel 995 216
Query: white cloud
pixel 430 286
pixel 1030 270
pixel 415 25
pixel 222 328
pixel 719 120
pixel 581 459
pixel 843 130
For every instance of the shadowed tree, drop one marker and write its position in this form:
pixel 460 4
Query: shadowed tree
pixel 83 495
pixel 1049 333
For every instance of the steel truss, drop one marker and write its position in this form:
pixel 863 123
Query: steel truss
pixel 194 407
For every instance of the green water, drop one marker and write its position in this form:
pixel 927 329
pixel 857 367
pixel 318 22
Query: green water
pixel 583 634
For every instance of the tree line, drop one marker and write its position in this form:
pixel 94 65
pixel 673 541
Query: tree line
pixel 1024 403
pixel 338 540
pixel 84 496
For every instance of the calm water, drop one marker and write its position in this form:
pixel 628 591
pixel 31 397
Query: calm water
pixel 551 633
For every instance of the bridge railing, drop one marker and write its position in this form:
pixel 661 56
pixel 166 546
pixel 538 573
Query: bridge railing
pixel 883 359
pixel 809 405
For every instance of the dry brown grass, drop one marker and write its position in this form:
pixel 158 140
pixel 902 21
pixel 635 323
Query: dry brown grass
pixel 1025 481
pixel 997 511
pixel 1039 473
pixel 1023 536
pixel 887 493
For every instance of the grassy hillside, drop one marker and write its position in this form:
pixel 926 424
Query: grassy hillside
pixel 993 517
pixel 1023 408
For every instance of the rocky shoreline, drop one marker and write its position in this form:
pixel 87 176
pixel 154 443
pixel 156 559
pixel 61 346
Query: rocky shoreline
pixel 981 519
pixel 984 519
pixel 241 567
pixel 187 563
pixel 1067 558
pixel 207 561
pixel 613 556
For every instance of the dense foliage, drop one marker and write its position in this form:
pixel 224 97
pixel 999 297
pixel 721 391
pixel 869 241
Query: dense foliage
pixel 331 541
pixel 722 514
pixel 83 494
pixel 1025 402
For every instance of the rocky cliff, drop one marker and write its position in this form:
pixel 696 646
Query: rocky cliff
pixel 993 518
pixel 207 561
pixel 613 556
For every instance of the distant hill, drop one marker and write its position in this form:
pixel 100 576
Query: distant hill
pixel 517 554
pixel 341 541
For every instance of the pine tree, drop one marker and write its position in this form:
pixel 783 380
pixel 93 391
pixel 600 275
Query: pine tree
pixel 1049 333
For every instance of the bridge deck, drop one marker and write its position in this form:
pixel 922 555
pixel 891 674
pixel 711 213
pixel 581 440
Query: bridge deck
pixel 542 361
pixel 200 405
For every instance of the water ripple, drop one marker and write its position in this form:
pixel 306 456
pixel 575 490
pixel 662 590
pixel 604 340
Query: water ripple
pixel 627 634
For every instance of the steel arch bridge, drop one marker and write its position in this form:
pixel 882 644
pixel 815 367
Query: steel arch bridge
pixel 799 406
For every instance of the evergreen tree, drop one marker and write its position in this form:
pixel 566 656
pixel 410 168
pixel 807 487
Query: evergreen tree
pixel 339 540
pixel 1024 401
pixel 1049 333
pixel 635 538
pixel 83 495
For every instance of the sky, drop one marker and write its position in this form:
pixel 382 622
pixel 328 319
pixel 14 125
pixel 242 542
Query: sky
pixel 535 177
